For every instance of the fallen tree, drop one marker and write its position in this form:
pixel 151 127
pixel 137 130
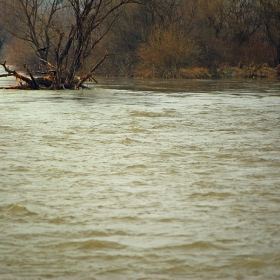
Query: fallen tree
pixel 51 80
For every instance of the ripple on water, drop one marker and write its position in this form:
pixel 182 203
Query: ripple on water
pixel 192 247
pixel 211 194
pixel 140 185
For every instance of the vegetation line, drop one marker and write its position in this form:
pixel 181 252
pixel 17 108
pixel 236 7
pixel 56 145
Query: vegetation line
pixel 149 38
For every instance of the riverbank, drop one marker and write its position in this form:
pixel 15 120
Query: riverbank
pixel 251 71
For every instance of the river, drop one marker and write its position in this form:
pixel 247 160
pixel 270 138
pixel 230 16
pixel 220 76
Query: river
pixel 137 179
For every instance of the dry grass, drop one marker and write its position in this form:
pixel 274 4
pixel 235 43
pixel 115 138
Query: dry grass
pixel 195 73
pixel 251 70
pixel 226 72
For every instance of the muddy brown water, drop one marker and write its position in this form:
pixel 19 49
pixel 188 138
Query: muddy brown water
pixel 137 179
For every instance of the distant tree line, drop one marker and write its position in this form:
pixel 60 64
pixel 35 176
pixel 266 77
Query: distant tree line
pixel 151 38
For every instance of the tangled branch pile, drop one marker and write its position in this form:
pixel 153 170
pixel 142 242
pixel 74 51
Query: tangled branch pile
pixel 53 79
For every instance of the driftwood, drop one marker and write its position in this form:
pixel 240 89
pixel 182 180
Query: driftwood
pixel 53 79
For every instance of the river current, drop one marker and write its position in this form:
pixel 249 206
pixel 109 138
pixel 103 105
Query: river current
pixel 138 179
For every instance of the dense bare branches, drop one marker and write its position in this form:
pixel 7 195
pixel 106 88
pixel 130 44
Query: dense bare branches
pixel 33 21
pixel 93 20
pixel 42 26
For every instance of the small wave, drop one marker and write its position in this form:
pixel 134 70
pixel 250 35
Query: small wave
pixel 275 200
pixel 117 232
pixel 138 183
pixel 127 218
pixel 176 269
pixel 138 130
pixel 57 221
pixel 108 132
pixel 106 233
pixel 147 114
pixel 128 141
pixel 19 168
pixel 201 245
pixel 211 194
pixel 171 154
pixel 198 245
pixel 92 244
pixel 99 244
pixel 17 209
pixel 136 166
pixel 251 263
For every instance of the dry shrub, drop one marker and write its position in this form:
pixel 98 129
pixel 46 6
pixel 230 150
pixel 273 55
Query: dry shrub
pixel 166 52
pixel 195 73
pixel 225 71
pixel 250 70
pixel 254 70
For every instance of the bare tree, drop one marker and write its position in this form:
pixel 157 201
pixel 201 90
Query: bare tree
pixel 93 20
pixel 34 21
pixel 89 21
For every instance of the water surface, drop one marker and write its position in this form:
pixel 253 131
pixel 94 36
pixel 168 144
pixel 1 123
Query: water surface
pixel 141 180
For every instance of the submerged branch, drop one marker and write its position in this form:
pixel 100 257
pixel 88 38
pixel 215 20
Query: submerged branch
pixel 5 75
pixel 30 83
pixel 16 74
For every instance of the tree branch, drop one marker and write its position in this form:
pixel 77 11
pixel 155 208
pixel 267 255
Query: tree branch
pixel 89 74
pixel 16 74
